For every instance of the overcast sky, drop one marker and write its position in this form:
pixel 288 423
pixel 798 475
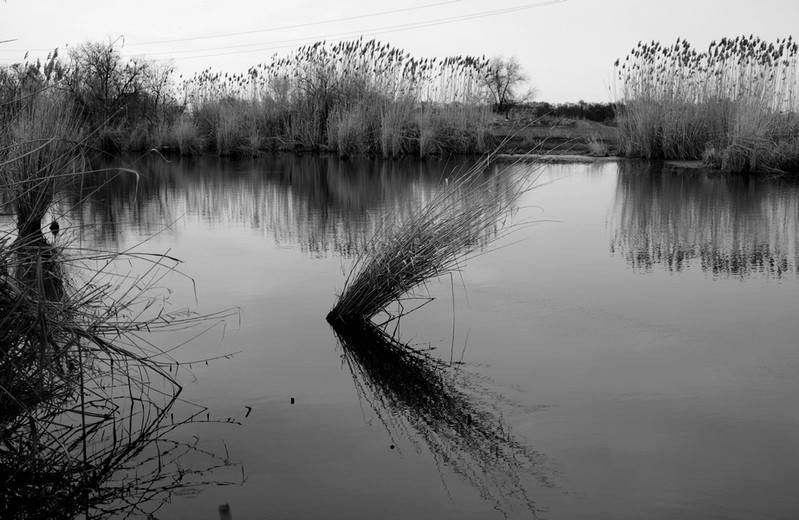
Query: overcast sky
pixel 567 47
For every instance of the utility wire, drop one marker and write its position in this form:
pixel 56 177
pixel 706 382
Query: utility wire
pixel 308 24
pixel 279 44
pixel 269 29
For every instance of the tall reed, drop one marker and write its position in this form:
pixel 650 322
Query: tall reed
pixel 42 152
pixel 357 97
pixel 86 402
pixel 287 102
pixel 186 135
pixel 463 217
pixel 733 103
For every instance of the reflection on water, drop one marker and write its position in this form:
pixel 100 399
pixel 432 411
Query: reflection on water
pixel 317 203
pixel 416 395
pixel 729 225
pixel 651 405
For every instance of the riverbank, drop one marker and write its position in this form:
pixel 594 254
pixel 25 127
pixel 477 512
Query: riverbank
pixel 550 138
pixel 553 136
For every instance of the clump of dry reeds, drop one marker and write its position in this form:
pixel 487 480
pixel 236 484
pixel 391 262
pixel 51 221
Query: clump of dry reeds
pixel 350 97
pixel 187 136
pixel 41 154
pixel 86 402
pixel 735 103
pixel 468 211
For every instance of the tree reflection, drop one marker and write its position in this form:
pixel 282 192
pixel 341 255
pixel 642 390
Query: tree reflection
pixel 728 225
pixel 426 400
pixel 319 203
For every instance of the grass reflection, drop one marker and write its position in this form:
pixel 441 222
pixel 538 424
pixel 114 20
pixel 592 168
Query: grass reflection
pixel 444 408
pixel 318 203
pixel 726 225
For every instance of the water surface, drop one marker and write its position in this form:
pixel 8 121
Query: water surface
pixel 638 344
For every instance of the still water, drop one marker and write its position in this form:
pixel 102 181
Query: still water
pixel 637 346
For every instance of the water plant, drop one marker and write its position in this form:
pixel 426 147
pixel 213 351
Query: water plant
pixel 89 409
pixel 734 103
pixel 41 153
pixel 469 211
pixel 87 402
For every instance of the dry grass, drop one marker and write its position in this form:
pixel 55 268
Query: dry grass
pixel 469 211
pixel 352 97
pixel 553 135
pixel 734 104
pixel 187 136
pixel 87 403
pixel 42 152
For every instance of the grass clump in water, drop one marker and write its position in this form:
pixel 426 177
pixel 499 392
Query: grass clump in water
pixel 468 212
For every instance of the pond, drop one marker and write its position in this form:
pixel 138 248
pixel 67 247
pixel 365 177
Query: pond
pixel 636 343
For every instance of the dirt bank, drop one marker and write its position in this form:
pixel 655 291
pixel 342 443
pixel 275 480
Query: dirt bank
pixel 550 135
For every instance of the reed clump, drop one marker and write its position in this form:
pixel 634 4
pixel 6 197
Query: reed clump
pixel 735 104
pixel 42 152
pixel 467 213
pixel 356 97
pixel 187 137
pixel 87 404
pixel 353 97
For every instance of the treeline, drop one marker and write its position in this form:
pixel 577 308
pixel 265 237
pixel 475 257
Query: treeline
pixel 118 103
pixel 351 97
pixel 600 112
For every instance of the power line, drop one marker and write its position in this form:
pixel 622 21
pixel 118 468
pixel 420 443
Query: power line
pixel 279 44
pixel 269 29
pixel 297 26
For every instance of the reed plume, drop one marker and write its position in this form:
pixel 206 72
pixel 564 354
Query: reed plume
pixel 734 105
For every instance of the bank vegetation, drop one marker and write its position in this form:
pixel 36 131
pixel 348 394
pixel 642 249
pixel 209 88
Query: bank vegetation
pixel 355 97
pixel 88 402
pixel 733 105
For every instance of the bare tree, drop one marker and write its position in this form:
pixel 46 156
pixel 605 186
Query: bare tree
pixel 504 81
pixel 159 91
pixel 102 81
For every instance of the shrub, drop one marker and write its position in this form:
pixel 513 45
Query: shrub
pixel 187 136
